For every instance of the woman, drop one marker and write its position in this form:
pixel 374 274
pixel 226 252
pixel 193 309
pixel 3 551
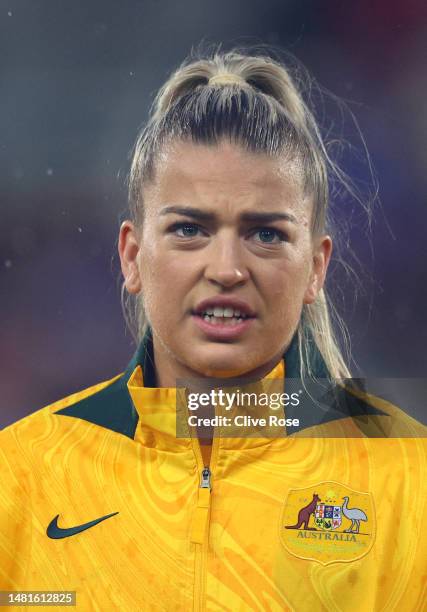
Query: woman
pixel 226 251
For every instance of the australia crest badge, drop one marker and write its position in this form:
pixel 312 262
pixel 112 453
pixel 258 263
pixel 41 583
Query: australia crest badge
pixel 328 522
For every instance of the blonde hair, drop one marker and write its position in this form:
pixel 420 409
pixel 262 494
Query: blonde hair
pixel 254 101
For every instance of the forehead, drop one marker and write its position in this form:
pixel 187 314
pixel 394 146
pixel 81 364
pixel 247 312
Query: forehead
pixel 187 170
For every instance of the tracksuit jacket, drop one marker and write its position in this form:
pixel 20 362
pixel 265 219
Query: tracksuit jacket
pixel 98 496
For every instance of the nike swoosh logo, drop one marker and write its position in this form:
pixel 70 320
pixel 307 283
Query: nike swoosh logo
pixel 56 533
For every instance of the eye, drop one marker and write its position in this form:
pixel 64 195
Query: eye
pixel 185 229
pixel 269 235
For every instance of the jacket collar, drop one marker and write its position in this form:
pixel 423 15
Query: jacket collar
pixel 133 398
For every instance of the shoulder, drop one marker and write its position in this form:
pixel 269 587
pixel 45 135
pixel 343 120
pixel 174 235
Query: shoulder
pixel 389 421
pixel 23 440
pixel 345 409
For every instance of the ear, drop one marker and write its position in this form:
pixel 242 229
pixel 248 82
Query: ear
pixel 129 246
pixel 321 257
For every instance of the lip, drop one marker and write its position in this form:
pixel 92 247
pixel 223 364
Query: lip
pixel 220 331
pixel 224 301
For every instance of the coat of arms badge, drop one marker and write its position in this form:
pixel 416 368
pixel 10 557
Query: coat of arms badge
pixel 328 522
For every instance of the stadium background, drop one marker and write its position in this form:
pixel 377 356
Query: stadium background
pixel 77 79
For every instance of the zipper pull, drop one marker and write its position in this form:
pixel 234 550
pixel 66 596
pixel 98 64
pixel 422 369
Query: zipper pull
pixel 206 478
pixel 200 520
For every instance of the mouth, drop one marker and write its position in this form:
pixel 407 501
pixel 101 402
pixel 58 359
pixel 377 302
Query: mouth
pixel 223 317
pixel 221 323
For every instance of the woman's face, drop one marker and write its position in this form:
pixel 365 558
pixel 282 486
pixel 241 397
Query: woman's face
pixel 231 227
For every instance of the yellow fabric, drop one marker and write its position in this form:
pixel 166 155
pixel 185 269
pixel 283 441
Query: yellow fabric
pixel 200 518
pixel 176 546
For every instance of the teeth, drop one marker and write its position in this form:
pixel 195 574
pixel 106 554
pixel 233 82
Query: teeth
pixel 227 321
pixel 220 312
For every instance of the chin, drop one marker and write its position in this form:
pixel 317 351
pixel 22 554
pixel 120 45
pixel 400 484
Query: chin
pixel 224 364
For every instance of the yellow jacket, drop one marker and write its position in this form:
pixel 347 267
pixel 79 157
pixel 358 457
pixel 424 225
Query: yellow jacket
pixel 325 519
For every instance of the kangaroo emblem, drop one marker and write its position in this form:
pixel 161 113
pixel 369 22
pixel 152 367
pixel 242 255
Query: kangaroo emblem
pixel 304 515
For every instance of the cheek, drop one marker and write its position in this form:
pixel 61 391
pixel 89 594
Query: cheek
pixel 285 286
pixel 291 271
pixel 164 276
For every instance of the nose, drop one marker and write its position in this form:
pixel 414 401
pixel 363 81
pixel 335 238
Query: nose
pixel 226 261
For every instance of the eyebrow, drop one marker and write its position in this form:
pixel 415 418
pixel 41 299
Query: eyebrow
pixel 251 216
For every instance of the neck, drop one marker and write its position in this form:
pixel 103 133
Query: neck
pixel 168 371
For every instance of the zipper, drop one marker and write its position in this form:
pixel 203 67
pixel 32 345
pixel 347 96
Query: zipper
pixel 199 534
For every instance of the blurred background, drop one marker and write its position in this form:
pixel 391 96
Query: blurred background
pixel 77 79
